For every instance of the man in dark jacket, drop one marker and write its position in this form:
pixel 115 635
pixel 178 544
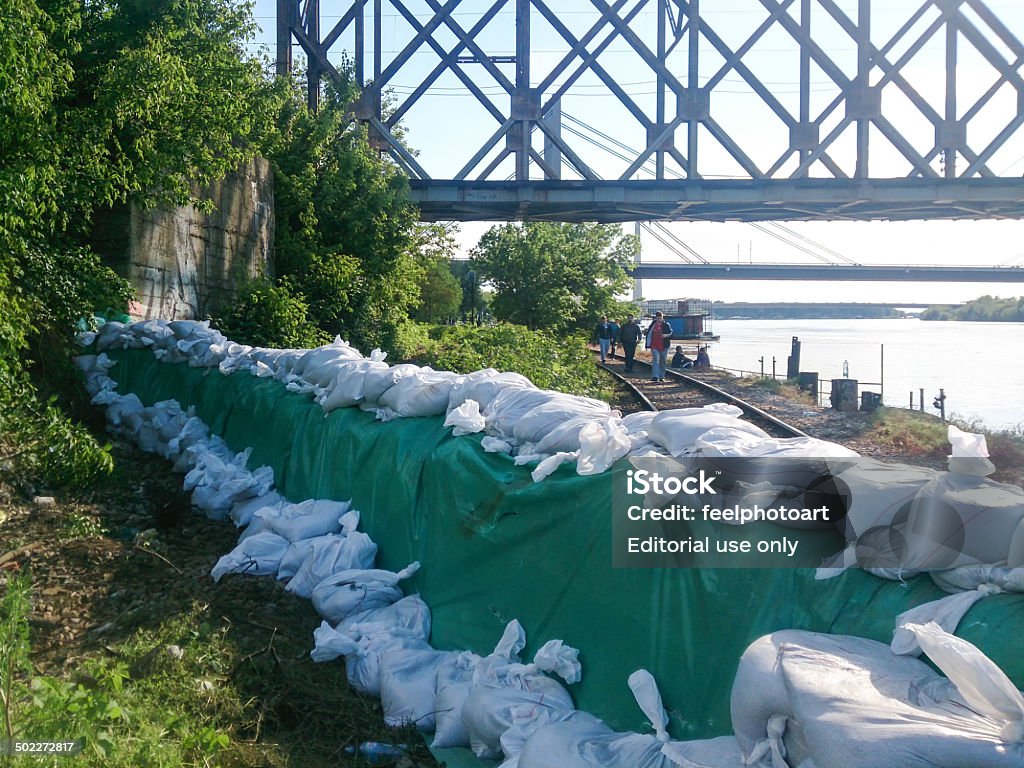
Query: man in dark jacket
pixel 629 337
pixel 603 332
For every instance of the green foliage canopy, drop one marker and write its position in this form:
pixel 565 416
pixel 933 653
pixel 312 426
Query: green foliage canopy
pixel 983 309
pixel 555 276
pixel 345 227
pixel 100 103
pixel 550 360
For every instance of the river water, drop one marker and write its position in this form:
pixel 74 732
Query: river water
pixel 979 365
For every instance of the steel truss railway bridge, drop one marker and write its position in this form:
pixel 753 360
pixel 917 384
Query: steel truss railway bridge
pixel 765 111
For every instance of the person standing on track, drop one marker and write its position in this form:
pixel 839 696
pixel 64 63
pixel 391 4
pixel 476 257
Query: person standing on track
pixel 604 337
pixel 629 337
pixel 659 334
pixel 615 335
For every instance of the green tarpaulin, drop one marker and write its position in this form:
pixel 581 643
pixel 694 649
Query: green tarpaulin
pixel 495 546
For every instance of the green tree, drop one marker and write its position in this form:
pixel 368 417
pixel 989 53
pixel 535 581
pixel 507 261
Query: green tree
pixel 983 309
pixel 103 102
pixel 440 290
pixel 557 276
pixel 269 315
pixel 345 226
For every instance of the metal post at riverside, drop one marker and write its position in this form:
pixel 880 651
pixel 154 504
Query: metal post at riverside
pixel 793 361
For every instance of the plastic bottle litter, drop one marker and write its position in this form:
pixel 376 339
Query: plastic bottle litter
pixel 377 752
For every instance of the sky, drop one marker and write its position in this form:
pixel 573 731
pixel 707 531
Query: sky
pixel 448 124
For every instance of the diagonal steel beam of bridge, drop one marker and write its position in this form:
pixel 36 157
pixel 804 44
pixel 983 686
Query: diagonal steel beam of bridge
pixel 762 110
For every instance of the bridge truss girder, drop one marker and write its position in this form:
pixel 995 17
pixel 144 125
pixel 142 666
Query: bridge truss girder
pixel 689 57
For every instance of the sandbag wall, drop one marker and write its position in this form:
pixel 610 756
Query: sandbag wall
pixel 497 546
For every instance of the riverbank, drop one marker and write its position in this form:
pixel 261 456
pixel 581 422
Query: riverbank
pixel 889 434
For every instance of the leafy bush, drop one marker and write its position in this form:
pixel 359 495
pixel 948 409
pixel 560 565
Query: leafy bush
pixel 39 443
pixel 550 361
pixel 269 315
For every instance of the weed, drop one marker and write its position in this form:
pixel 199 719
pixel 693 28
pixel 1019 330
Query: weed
pixel 14 649
pixel 912 433
pixel 787 389
pixel 75 525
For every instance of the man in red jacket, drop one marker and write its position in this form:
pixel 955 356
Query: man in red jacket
pixel 659 334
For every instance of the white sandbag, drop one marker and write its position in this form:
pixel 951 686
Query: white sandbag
pixel 120 411
pixel 454 681
pixel 183 329
pixel 362 667
pixel 501 686
pixel 585 742
pixel 879 494
pixel 602 443
pixel 362 652
pixel 526 721
pixel 488 709
pixel 296 554
pixel 347 388
pixel 326 353
pixel 677 430
pixel 466 419
pixel 351 592
pixel 483 386
pixel 258 555
pixel 378 381
pixel 566 436
pixel 324 373
pixel 423 393
pixel 960 519
pixel 109 335
pixel 331 555
pixel 93 363
pixel 450 727
pixel 85 338
pixel 946 612
pixel 565 742
pixel 1015 555
pixel 313 517
pixel 721 752
pixel 638 422
pixel 408 684
pixel 511 404
pixel 534 425
pixel 410 614
pixel 242 511
pixel 970 577
pixel 191 433
pixel 846 702
pixel 796 461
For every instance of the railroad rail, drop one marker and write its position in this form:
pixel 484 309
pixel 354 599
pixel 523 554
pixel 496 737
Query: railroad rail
pixel 630 387
pixel 661 398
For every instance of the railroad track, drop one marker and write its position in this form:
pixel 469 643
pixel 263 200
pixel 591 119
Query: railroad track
pixel 685 391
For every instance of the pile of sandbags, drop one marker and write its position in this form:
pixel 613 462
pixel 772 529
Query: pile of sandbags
pixel 832 701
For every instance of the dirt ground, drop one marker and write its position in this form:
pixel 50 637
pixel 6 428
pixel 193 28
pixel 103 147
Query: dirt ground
pixel 93 589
